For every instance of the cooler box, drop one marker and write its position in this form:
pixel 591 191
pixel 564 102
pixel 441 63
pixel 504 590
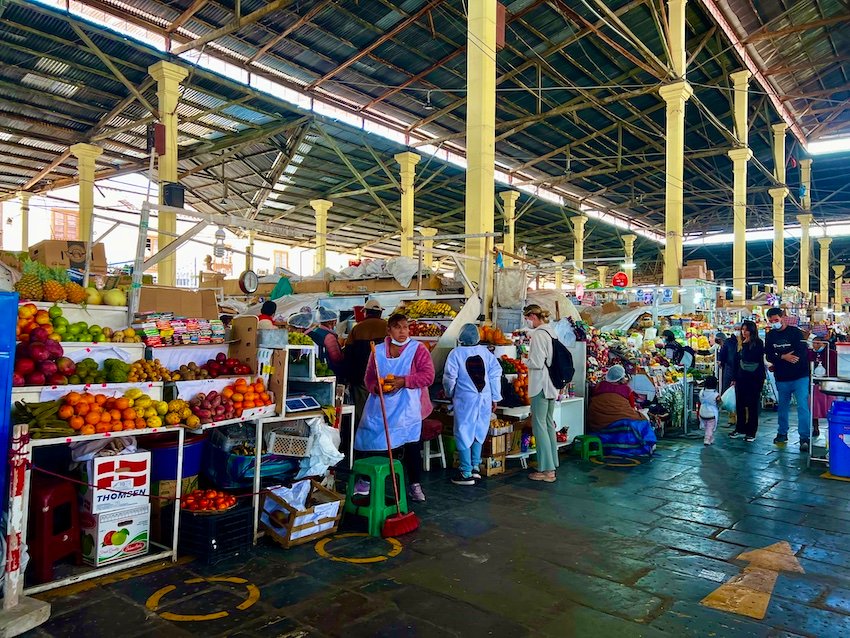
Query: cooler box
pixel 121 482
pixel 116 535
pixel 839 439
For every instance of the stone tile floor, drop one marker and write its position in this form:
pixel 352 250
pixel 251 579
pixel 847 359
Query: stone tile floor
pixel 605 551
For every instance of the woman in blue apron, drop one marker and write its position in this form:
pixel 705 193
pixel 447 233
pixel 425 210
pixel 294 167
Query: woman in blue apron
pixel 473 379
pixel 412 370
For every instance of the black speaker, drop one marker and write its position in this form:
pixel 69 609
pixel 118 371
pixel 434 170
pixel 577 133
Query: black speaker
pixel 173 194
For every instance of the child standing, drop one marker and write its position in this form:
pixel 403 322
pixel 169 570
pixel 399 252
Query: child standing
pixel 709 398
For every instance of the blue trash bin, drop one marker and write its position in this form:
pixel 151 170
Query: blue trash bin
pixel 839 439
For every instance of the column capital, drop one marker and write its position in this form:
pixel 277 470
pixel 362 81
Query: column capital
pixel 781 192
pixel 24 196
pixel 740 78
pixel 681 91
pixel 164 71
pixel 629 240
pixel 805 219
pixel 86 151
pixel 427 232
pixel 740 154
pixel 839 270
pixel 806 163
pixel 824 242
pixel 559 259
pixel 321 206
pixel 509 197
pixel 578 222
pixel 407 160
pixel 779 129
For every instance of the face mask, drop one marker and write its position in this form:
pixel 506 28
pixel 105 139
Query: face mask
pixel 529 323
pixel 399 343
pixel 776 325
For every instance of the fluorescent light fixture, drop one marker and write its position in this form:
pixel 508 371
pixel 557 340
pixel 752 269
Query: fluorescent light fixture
pixel 825 147
pixel 724 288
pixel 580 276
pixel 827 310
pixel 683 290
pixel 737 293
pixel 629 264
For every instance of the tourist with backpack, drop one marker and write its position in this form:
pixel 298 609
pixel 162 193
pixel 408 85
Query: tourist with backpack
pixel 548 362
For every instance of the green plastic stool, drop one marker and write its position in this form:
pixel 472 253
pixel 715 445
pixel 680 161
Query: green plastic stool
pixel 589 446
pixel 376 469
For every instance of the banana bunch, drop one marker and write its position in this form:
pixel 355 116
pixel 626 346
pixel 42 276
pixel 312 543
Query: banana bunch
pixel 424 308
pixel 42 419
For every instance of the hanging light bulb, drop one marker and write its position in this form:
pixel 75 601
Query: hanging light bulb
pixel 218 247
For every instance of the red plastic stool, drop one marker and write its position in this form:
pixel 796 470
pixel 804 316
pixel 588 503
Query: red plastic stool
pixel 55 525
pixel 432 430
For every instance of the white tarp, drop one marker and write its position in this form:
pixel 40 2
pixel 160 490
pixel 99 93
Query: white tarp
pixel 624 321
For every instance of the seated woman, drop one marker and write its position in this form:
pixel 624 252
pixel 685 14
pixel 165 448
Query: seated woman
pixel 613 418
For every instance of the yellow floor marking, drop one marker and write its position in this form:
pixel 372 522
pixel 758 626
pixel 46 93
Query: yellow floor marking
pixel 632 462
pixel 154 600
pixel 827 475
pixel 395 550
pixel 748 593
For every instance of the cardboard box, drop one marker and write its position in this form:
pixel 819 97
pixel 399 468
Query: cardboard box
pixel 111 537
pixel 692 272
pixel 12 260
pixel 161 508
pixel 359 286
pixel 697 262
pixel 129 474
pixel 180 301
pixel 69 254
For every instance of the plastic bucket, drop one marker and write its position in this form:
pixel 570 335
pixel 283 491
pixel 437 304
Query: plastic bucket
pixel 164 457
pixel 839 439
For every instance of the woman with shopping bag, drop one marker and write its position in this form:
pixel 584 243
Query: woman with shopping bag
pixel 750 373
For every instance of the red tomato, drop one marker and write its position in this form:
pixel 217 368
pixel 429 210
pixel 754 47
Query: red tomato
pixel 221 506
pixel 204 504
pixel 211 494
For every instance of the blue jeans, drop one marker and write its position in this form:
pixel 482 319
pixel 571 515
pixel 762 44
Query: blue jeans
pixel 800 389
pixel 469 457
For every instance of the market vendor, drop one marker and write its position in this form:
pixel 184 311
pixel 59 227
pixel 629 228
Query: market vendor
pixel 472 379
pixel 324 336
pixel 672 348
pixel 616 381
pixel 612 417
pixel 405 365
pixel 300 322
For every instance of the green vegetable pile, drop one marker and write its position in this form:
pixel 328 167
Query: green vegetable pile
pixel 116 371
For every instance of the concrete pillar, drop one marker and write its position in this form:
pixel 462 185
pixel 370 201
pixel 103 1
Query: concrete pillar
pixel 407 163
pixel 578 240
pixel 602 275
pixel 676 95
pixel 559 271
pixel 480 132
pixel 321 207
pixel 25 220
pixel 249 252
pixel 678 54
pixel 805 245
pixel 806 183
pixel 740 157
pixel 86 155
pixel 428 244
pixel 838 302
pixel 168 77
pixel 824 270
pixel 509 200
pixel 779 194
pixel 629 241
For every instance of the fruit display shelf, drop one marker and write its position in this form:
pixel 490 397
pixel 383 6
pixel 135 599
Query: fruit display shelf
pixel 37 393
pixel 308 369
pixel 103 435
pixel 77 351
pixel 114 317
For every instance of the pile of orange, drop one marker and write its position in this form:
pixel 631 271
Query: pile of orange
pixel 521 388
pixel 97 413
pixel 246 396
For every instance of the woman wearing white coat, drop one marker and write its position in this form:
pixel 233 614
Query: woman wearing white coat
pixel 472 378
pixel 542 392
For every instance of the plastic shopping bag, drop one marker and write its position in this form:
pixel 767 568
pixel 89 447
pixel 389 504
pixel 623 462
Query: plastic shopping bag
pixel 727 401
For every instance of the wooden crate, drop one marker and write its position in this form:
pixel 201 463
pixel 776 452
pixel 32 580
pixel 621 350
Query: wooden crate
pixel 493 465
pixel 495 445
pixel 355 286
pixel 290 527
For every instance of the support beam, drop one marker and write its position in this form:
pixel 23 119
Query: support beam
pixel 824 270
pixel 428 245
pixel 168 77
pixel 779 194
pixel 760 35
pixel 509 199
pixel 321 207
pixel 676 35
pixel 300 22
pixel 629 246
pixel 740 83
pixel 559 271
pixel 407 162
pixel 578 240
pixel 184 17
pixel 249 253
pixel 25 220
pixel 805 249
pixel 739 157
pixel 806 184
pixel 838 301
pixel 480 132
pixel 86 155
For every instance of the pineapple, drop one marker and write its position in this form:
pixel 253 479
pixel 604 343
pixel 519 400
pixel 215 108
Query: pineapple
pixel 29 286
pixel 53 284
pixel 74 291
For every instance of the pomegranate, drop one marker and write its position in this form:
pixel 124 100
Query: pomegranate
pixel 24 367
pixel 17 380
pixel 35 378
pixel 39 352
pixel 22 350
pixel 48 368
pixel 39 334
pixel 54 349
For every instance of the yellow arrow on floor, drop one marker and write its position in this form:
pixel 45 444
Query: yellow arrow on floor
pixel 748 593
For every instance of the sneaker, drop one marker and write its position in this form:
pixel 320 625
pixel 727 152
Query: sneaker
pixel 735 434
pixel 362 488
pixel 476 473
pixel 460 479
pixel 804 446
pixel 416 494
pixel 781 438
pixel 749 439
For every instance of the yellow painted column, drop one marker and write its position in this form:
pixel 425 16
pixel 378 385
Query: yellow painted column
pixel 407 163
pixel 838 302
pixel 629 245
pixel 86 155
pixel 740 157
pixel 509 200
pixel 25 220
pixel 428 245
pixel 559 271
pixel 676 18
pixel 779 194
pixel 249 253
pixel 824 270
pixel 168 77
pixel 480 132
pixel 578 240
pixel 321 207
pixel 676 95
pixel 806 183
pixel 602 275
pixel 805 249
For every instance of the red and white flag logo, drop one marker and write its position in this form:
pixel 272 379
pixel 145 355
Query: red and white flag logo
pixel 121 470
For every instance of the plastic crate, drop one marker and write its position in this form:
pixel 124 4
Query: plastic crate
pixel 287 445
pixel 212 538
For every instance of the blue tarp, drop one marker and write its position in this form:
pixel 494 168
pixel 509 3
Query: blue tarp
pixel 628 438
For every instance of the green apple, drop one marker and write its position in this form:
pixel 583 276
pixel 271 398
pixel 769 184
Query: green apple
pixel 120 537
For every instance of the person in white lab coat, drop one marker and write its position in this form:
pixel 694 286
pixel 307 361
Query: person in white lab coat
pixel 542 392
pixel 472 378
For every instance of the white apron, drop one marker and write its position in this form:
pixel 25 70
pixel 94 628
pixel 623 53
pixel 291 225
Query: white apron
pixel 472 408
pixel 404 407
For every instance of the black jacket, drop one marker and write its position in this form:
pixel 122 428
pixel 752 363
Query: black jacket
pixel 780 342
pixel 750 353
